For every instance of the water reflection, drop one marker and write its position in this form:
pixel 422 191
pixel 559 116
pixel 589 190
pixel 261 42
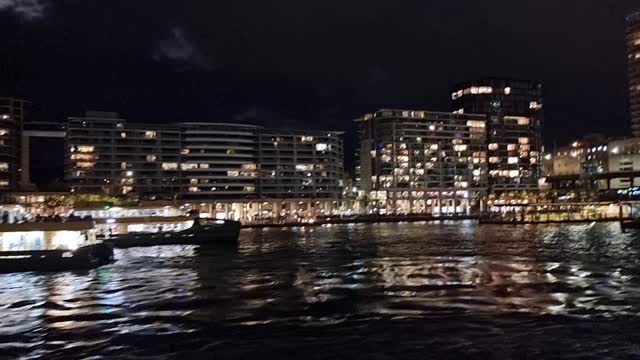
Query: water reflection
pixel 167 300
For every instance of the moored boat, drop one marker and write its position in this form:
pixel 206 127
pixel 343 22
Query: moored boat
pixel 202 232
pixel 51 246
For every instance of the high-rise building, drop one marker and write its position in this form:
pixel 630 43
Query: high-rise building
pixel 105 154
pixel 513 110
pixel 13 113
pixel 633 55
pixel 423 162
pixel 201 161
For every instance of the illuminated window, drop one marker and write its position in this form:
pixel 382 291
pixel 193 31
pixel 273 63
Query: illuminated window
pixel 194 189
pixel 150 134
pixel 513 160
pixel 4 183
pixel 204 166
pixel 523 141
pixel 493 146
pixel 306 139
pixel 169 166
pixel 4 167
pixel 511 147
pixel 129 173
pixel 249 188
pixel 231 152
pixel 123 135
pixel 82 157
pixel 321 147
pixel 507 90
pixel 533 160
pixel 85 164
pixel 304 167
pixel 249 167
pixel 151 158
pixel 188 166
pixel 457 148
pixel 123 165
pixel 193 181
pixel 4 132
pixel 184 152
pixel 85 148
pixel 476 124
pixel 514 173
pixel 494 159
pixel 233 173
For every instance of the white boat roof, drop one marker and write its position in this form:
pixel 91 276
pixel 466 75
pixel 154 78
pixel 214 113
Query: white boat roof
pixel 48 226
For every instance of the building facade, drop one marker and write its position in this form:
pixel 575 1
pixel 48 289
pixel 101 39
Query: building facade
pixel 422 162
pixel 513 110
pixel 633 58
pixel 13 113
pixel 201 161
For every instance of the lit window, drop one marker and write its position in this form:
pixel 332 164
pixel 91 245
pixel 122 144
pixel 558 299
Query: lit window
pixel 4 183
pixel 514 173
pixel 523 141
pixel 151 158
pixel 123 135
pixel 204 166
pixel 169 166
pixel 85 164
pixel 150 134
pixel 321 147
pixel 511 147
pixel 507 90
pixel 249 188
pixel 304 167
pixel 4 132
pixel 513 160
pixel 476 124
pixel 184 152
pixel 193 181
pixel 493 146
pixel 233 173
pixel 4 167
pixel 457 148
pixel 231 152
pixel 129 173
pixel 533 160
pixel 188 166
pixel 123 165
pixel 193 189
pixel 494 159
pixel 85 148
pixel 306 138
pixel 82 157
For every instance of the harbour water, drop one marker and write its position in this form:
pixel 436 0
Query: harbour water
pixel 364 291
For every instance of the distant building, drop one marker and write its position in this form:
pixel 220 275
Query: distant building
pixel 633 55
pixel 587 156
pixel 13 113
pixel 624 157
pixel 422 162
pixel 201 161
pixel 513 110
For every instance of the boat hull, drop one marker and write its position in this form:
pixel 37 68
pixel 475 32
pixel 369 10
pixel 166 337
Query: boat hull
pixel 84 258
pixel 204 235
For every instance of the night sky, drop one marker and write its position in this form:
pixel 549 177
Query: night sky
pixel 311 64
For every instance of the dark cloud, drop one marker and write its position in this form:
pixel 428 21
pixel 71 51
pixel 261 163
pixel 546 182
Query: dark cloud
pixel 25 9
pixel 178 49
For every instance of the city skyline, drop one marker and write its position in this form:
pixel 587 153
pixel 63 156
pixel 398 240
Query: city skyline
pixel 225 70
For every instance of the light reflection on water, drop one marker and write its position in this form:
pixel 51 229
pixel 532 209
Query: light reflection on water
pixel 350 286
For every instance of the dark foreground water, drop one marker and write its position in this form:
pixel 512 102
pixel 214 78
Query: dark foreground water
pixel 388 291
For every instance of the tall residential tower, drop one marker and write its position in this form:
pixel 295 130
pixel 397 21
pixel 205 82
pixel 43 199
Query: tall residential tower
pixel 513 110
pixel 633 55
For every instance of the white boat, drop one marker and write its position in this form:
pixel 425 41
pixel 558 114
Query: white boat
pixel 51 246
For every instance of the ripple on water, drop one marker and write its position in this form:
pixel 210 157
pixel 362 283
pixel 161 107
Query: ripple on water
pixel 347 291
